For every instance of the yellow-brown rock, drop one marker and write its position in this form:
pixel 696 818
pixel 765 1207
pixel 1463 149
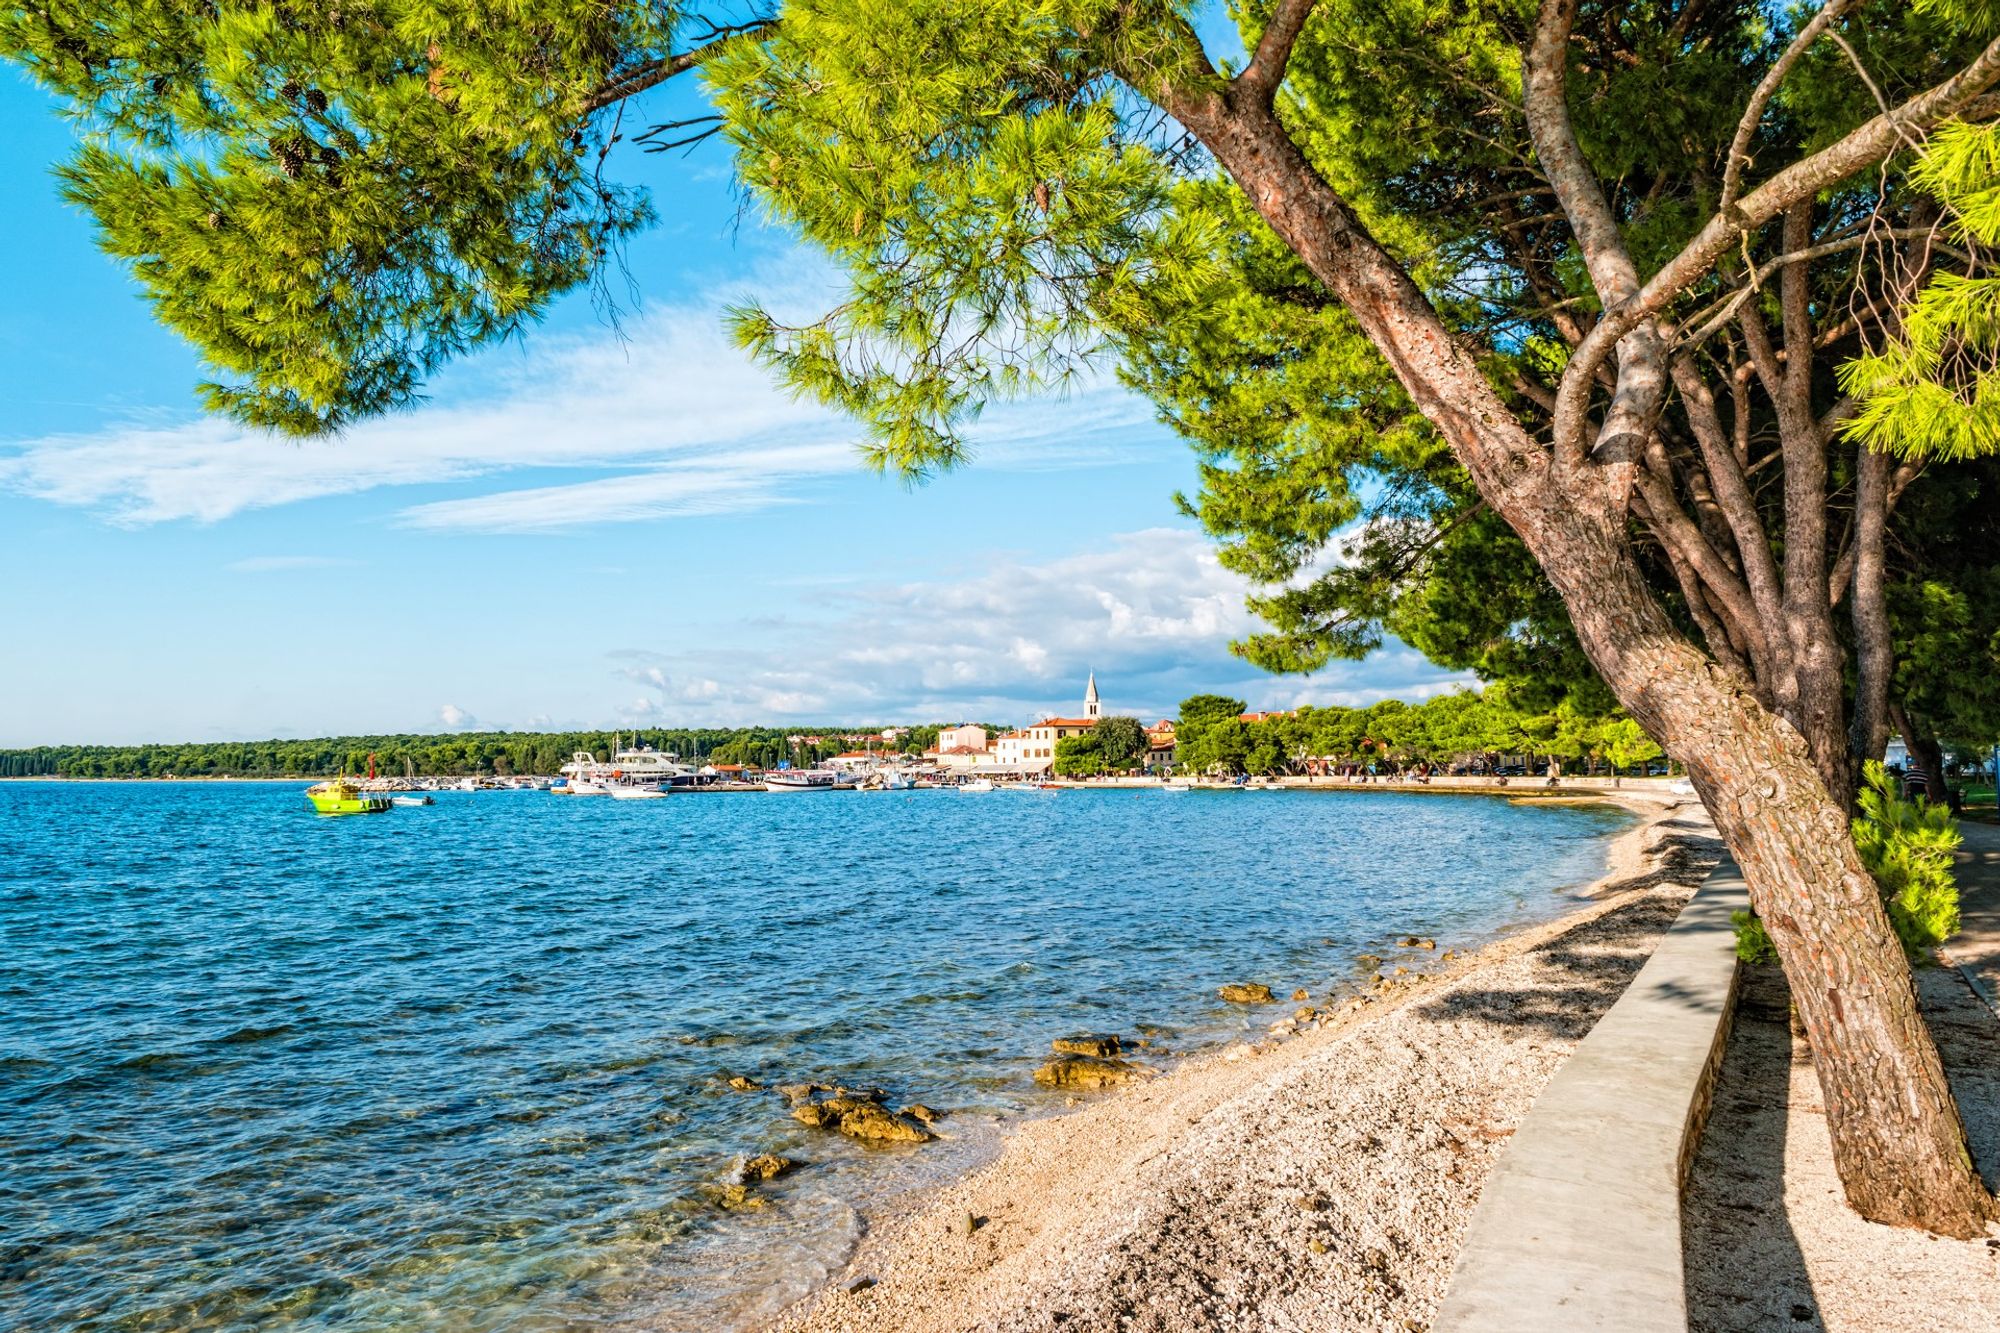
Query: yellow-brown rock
pixel 768 1166
pixel 1247 992
pixel 869 1121
pixel 1087 1071
pixel 1102 1045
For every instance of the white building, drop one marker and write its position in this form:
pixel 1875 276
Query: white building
pixel 1033 748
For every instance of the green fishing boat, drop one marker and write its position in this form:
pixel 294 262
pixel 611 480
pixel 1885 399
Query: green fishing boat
pixel 341 797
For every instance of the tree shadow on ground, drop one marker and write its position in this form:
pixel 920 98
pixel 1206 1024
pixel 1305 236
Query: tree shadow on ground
pixel 1579 972
pixel 1968 1039
pixel 1745 1272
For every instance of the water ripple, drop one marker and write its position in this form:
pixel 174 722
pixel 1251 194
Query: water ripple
pixel 466 1067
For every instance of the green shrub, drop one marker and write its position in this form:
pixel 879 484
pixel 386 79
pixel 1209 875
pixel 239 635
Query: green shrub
pixel 1753 942
pixel 1907 846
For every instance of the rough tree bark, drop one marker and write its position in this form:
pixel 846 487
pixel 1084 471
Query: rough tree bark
pixel 1899 1144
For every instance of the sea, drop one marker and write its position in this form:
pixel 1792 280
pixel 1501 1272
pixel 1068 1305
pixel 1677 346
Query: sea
pixel 465 1067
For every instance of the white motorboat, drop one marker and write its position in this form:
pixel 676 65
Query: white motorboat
pixel 411 800
pixel 645 765
pixel 1177 788
pixel 637 792
pixel 804 779
pixel 892 780
pixel 977 784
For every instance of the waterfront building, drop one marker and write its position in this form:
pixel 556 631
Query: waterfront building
pixel 964 736
pixel 1032 750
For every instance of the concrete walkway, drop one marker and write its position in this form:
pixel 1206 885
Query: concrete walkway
pixel 1578 1229
pixel 1976 948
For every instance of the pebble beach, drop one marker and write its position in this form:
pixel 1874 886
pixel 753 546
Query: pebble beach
pixel 1317 1179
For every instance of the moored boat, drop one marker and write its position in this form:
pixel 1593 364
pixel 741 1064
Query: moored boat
pixel 977 785
pixel 411 800
pixel 804 779
pixel 637 792
pixel 341 797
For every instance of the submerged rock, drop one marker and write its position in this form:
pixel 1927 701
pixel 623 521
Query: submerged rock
pixel 927 1114
pixel 1301 994
pixel 1247 992
pixel 1101 1045
pixel 742 1084
pixel 735 1197
pixel 1088 1071
pixel 1417 942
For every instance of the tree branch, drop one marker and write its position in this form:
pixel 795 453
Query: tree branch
pixel 651 74
pixel 1753 114
pixel 1872 142
pixel 1642 380
pixel 1266 70
pixel 1732 494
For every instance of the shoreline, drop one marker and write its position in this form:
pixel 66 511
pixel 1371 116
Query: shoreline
pixel 1106 1204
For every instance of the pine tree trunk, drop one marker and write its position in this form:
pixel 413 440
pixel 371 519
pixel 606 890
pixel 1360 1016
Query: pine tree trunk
pixel 1898 1142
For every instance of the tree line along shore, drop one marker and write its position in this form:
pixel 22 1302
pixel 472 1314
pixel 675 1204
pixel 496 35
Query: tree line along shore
pixel 1465 729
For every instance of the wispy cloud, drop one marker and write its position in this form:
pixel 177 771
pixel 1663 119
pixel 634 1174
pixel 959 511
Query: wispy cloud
pixel 672 414
pixel 273 564
pixel 1151 612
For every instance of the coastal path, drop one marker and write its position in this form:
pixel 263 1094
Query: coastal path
pixel 1976 947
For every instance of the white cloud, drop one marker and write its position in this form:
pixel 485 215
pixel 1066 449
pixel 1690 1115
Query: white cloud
pixel 1151 612
pixel 674 413
pixel 272 564
pixel 456 718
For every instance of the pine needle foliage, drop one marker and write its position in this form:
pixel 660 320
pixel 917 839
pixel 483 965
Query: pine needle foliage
pixel 331 199
pixel 1908 846
pixel 1933 390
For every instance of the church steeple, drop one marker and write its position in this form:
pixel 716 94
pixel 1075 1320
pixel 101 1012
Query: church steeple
pixel 1090 704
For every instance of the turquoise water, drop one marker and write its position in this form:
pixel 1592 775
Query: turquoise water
pixel 461 1067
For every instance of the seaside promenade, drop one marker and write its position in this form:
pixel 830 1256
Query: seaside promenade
pixel 1976 950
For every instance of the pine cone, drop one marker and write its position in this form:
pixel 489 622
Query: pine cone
pixel 316 99
pixel 329 155
pixel 290 92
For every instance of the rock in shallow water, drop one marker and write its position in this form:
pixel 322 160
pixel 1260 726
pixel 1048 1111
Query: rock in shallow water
pixel 1087 1071
pixel 1101 1045
pixel 869 1121
pixel 861 1120
pixel 1247 992
pixel 768 1166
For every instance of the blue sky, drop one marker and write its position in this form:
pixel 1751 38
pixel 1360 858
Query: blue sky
pixel 593 527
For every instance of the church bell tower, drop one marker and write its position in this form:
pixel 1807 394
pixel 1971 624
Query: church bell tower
pixel 1090 705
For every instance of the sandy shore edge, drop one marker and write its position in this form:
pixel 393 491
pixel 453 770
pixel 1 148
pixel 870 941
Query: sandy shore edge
pixel 1178 1203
